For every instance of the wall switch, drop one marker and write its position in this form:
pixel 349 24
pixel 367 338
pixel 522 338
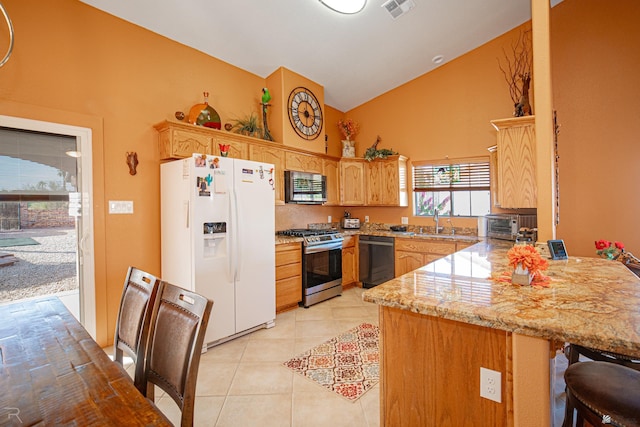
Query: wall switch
pixel 366 218
pixel 491 385
pixel 404 220
pixel 329 219
pixel 120 206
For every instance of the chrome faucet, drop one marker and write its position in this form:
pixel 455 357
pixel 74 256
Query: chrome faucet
pixel 453 230
pixel 436 219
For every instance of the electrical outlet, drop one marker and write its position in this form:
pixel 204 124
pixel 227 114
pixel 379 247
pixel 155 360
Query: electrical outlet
pixel 329 218
pixel 404 220
pixel 491 385
pixel 366 218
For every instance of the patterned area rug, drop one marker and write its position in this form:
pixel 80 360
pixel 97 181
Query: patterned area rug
pixel 347 364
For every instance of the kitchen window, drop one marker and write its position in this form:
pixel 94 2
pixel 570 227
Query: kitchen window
pixel 457 187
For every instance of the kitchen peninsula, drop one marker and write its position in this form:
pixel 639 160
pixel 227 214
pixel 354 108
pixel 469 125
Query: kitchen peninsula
pixel 442 322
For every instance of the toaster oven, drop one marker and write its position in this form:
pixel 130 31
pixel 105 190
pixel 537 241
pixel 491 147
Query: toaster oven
pixel 507 226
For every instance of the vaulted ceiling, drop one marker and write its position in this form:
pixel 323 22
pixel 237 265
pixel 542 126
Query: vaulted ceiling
pixel 355 57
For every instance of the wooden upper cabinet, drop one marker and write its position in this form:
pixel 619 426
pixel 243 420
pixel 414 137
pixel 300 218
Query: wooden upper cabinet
pixel 352 175
pixel 275 156
pixel 386 182
pixel 238 149
pixel 516 162
pixel 493 175
pixel 331 170
pixel 177 142
pixel 303 162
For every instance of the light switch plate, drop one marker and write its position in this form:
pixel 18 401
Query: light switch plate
pixel 120 206
pixel 404 220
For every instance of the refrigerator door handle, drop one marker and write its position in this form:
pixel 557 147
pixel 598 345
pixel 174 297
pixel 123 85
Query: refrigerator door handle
pixel 231 245
pixel 236 238
pixel 186 211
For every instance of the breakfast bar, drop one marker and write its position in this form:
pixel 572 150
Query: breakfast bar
pixel 443 322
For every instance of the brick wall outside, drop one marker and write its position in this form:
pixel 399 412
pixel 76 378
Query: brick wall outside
pixel 25 215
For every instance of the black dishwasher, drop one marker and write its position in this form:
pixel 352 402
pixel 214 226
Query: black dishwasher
pixel 377 263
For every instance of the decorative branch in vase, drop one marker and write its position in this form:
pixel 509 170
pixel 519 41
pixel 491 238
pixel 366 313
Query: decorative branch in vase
pixel 518 73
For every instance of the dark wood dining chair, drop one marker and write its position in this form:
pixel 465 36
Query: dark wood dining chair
pixel 178 325
pixel 602 393
pixel 134 318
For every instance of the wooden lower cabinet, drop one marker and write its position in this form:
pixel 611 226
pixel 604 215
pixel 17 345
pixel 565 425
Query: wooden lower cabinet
pixel 349 262
pixel 430 371
pixel 411 254
pixel 288 276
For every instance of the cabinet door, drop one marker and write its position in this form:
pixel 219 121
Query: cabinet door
pixel 516 162
pixel 331 170
pixel 237 149
pixel 352 183
pixel 275 156
pixel 408 261
pixel 493 175
pixel 349 266
pixel 375 183
pixel 391 183
pixel 303 162
pixel 178 143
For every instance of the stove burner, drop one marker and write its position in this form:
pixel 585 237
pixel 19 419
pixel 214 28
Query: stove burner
pixel 316 238
pixel 303 232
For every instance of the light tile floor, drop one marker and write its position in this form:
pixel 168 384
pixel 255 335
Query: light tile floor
pixel 243 383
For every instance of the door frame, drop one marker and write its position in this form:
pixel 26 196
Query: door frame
pixel 85 245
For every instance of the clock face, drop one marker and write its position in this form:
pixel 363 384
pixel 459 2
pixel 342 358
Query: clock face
pixel 305 113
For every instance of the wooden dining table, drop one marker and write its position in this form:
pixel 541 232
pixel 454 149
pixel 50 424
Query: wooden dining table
pixel 53 373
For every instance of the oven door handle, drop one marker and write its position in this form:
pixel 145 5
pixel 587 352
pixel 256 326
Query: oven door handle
pixel 322 248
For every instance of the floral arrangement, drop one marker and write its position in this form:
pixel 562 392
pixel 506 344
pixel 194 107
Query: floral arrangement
pixel 348 128
pixel 608 250
pixel 527 257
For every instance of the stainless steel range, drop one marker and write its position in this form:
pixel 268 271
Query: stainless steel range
pixel 321 264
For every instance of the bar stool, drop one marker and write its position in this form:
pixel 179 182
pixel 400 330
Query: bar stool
pixel 602 393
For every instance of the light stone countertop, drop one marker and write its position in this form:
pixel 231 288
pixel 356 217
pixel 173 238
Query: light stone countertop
pixel 590 301
pixel 280 239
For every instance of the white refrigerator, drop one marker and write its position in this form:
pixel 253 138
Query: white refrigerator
pixel 218 239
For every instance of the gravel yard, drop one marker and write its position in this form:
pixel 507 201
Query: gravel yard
pixel 47 268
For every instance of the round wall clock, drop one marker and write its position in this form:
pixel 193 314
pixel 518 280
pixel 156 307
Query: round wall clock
pixel 305 113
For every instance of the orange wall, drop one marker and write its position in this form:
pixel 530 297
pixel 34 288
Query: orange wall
pixel 595 66
pixel 595 61
pixel 73 59
pixel 74 64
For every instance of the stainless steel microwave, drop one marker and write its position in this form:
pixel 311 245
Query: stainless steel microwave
pixel 507 226
pixel 305 188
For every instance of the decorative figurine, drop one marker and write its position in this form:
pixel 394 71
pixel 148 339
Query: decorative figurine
pixel 266 97
pixel 132 161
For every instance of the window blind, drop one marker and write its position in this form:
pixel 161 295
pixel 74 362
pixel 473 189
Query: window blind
pixel 454 176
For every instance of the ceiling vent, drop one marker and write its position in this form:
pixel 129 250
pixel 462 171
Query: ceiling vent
pixel 397 8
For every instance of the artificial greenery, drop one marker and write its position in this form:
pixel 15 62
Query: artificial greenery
pixel 372 153
pixel 248 126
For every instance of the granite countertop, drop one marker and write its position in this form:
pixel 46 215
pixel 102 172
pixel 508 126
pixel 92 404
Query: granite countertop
pixel 590 301
pixel 375 232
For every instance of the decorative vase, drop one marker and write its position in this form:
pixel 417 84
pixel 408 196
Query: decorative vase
pixel 204 115
pixel 348 148
pixel 521 276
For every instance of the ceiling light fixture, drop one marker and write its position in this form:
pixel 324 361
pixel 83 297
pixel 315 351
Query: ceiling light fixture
pixel 345 6
pixel 74 154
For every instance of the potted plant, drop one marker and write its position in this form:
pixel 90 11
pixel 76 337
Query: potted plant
pixel 248 125
pixel 373 153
